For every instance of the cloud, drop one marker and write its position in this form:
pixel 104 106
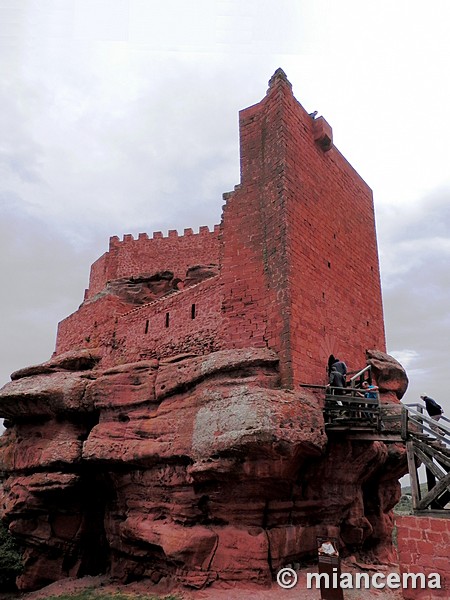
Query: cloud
pixel 415 254
pixel 43 277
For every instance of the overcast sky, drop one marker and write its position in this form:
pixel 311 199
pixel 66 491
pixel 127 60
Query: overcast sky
pixel 120 116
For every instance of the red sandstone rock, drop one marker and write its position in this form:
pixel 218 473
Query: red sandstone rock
pixel 78 360
pixel 45 395
pixel 389 374
pixel 222 468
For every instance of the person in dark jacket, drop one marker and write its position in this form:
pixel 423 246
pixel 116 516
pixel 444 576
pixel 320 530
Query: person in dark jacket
pixel 341 368
pixel 433 409
pixel 337 380
pixel 331 361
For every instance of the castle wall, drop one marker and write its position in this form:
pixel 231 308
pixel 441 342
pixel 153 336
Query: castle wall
pixel 91 326
pixel 254 269
pixel 174 253
pixel 423 548
pixel 336 304
pixel 296 251
pixel 187 321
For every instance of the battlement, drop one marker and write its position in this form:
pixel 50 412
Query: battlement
pixel 115 241
pixel 148 255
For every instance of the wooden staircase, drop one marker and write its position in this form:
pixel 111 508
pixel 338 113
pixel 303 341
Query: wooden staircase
pixel 348 413
pixel 427 443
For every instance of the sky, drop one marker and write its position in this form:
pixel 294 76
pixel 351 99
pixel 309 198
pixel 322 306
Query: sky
pixel 121 116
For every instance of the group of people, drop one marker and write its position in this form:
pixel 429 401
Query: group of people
pixel 337 379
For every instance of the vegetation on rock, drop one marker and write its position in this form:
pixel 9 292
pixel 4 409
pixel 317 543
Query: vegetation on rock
pixel 10 560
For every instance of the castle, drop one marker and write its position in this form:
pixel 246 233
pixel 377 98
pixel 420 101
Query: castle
pixel 293 266
pixel 177 433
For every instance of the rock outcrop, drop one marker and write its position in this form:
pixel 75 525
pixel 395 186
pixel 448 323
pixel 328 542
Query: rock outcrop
pixel 389 374
pixel 195 469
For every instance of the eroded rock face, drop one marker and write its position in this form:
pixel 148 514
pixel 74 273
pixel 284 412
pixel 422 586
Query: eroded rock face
pixel 389 374
pixel 146 288
pixel 196 469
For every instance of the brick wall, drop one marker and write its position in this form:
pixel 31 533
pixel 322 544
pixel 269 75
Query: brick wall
pixel 184 322
pixel 336 304
pixel 174 253
pixel 423 544
pixel 91 326
pixel 187 321
pixel 300 260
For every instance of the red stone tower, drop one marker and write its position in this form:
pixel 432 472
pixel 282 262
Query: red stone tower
pixel 299 237
pixel 293 265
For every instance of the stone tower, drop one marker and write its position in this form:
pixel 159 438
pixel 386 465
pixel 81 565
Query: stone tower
pixel 299 237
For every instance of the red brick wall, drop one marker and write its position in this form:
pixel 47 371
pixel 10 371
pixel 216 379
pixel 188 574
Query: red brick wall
pixel 124 335
pixel 332 254
pixel 297 253
pixel 300 260
pixel 149 255
pixel 142 333
pixel 423 544
pixel 91 326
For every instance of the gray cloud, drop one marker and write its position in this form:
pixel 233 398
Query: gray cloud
pixel 415 254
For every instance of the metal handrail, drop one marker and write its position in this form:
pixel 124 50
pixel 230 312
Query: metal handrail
pixel 428 424
pixel 420 409
pixel 367 368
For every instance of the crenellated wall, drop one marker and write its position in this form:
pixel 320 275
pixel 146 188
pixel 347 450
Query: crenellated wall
pixel 178 451
pixel 176 253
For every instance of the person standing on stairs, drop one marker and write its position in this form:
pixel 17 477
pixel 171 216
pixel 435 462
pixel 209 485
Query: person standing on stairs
pixel 433 409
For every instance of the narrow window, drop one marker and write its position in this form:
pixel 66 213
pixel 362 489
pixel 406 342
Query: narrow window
pixel 146 326
pixel 193 311
pixel 329 265
pixel 167 319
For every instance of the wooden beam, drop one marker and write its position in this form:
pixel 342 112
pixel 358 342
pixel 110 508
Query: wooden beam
pixel 412 468
pixel 429 464
pixel 436 453
pixel 404 423
pixel 438 489
pixel 439 514
pixel 377 437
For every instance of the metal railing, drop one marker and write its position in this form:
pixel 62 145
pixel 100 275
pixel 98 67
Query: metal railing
pixel 414 420
pixel 361 376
